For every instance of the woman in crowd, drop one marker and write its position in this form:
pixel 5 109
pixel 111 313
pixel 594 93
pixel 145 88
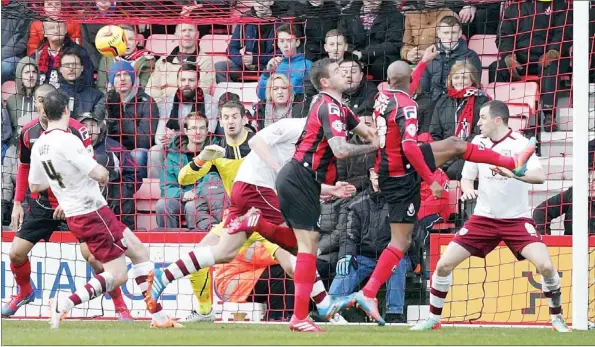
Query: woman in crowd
pixel 457 112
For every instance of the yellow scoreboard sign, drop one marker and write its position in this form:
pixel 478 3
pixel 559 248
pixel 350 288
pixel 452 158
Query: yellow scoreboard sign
pixel 501 290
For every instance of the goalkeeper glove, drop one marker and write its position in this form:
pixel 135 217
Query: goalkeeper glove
pixel 344 265
pixel 210 152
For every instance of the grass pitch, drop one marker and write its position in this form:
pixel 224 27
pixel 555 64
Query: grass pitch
pixel 139 333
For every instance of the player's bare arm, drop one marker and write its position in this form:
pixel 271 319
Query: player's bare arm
pixel 468 190
pixel 342 149
pixel 263 150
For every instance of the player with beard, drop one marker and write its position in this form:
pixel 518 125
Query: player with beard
pixel 401 165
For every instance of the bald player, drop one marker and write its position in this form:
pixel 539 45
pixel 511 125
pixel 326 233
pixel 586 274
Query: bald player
pixel 401 165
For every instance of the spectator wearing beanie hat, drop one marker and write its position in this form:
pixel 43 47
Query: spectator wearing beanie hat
pixel 132 114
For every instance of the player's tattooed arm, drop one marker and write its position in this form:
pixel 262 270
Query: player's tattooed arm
pixel 342 149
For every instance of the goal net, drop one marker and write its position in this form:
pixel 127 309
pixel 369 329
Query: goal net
pixel 185 59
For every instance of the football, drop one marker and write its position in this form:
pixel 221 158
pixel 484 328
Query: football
pixel 111 41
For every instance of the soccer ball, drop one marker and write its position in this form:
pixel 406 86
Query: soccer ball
pixel 111 41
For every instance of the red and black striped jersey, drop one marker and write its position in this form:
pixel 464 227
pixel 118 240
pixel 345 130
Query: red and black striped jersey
pixel 327 118
pixel 395 114
pixel 29 134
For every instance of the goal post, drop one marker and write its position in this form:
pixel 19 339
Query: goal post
pixel 581 112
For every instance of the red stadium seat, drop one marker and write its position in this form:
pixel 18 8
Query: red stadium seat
pixel 485 47
pixel 246 91
pixel 214 44
pixel 8 88
pixel 147 195
pixel 146 222
pixel 515 93
pixel 519 116
pixel 454 195
pixel 161 44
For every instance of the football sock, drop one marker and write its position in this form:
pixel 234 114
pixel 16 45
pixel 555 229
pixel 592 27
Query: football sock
pixel 199 258
pixel 22 276
pixel 479 154
pixel 201 286
pixel 95 287
pixel 389 258
pixel 115 294
pixel 551 290
pixel 278 234
pixel 438 292
pixel 140 272
pixel 303 278
pixel 319 294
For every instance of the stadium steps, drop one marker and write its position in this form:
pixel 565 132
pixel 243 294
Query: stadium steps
pixel 557 168
pixel 558 143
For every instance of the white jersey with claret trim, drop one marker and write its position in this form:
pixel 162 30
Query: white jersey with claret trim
pixel 281 137
pixel 501 197
pixel 59 159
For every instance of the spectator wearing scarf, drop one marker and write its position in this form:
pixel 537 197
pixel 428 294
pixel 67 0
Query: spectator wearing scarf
pixel 457 112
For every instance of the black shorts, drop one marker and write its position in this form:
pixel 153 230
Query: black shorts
pixel 403 193
pixel 299 197
pixel 39 223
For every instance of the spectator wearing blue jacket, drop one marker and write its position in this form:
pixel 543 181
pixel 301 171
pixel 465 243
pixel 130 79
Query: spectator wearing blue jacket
pixel 252 45
pixel 292 63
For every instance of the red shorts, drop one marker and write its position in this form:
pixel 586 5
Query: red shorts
pixel 102 231
pixel 244 196
pixel 480 235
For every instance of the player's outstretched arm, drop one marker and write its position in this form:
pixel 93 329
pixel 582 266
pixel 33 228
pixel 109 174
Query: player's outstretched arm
pixel 342 149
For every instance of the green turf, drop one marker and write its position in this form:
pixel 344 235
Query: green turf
pixel 138 333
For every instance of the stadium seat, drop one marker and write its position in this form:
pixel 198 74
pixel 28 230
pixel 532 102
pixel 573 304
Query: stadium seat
pixel 8 88
pixel 161 44
pixel 214 44
pixel 485 47
pixel 519 116
pixel 246 91
pixel 454 195
pixel 516 93
pixel 250 76
pixel 146 222
pixel 147 195
pixel 485 77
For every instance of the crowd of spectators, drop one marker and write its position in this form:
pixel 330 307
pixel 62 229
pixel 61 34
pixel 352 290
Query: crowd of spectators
pixel 149 115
